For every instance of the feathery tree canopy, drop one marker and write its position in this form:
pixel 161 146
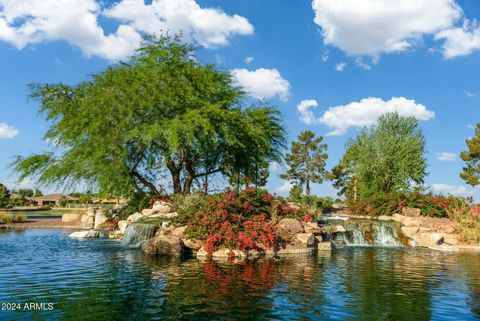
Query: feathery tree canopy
pixel 161 113
pixel 471 170
pixel 387 156
pixel 306 161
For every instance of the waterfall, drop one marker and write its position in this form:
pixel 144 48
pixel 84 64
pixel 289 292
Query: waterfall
pixel 136 234
pixel 385 234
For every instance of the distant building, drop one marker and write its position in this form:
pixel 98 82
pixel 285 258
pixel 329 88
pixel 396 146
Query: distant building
pixel 52 199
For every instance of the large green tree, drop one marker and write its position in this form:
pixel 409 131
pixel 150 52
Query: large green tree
pixel 159 114
pixel 387 156
pixel 471 170
pixel 4 196
pixel 306 161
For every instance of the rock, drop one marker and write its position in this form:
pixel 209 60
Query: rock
pixel 222 253
pixel 450 238
pixel 165 224
pixel 428 239
pixel 161 207
pixel 312 227
pixel 305 238
pixel 122 226
pixel 339 206
pixel 100 219
pixel 410 221
pixel 193 244
pixel 135 217
pixel 164 215
pixel 385 218
pixel 398 218
pixel 85 234
pixel 148 212
pixel 411 212
pixel 291 225
pixel 119 207
pixel 409 231
pixel 319 238
pixel 179 231
pixel 164 245
pixel 69 218
pixel 324 246
pixel 444 248
pixel 338 229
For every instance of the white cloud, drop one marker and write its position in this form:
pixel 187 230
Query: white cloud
pixel 446 189
pixel 460 41
pixel 340 66
pixel 274 166
pixel 325 55
pixel 305 109
pixel 7 131
pixel 249 60
pixel 366 111
pixel 208 27
pixel 262 83
pixel 374 27
pixel 447 157
pixel 284 188
pixel 29 21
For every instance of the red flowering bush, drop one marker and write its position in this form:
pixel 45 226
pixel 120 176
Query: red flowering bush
pixel 234 220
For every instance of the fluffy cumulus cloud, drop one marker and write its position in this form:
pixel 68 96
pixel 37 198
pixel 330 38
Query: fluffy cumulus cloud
pixel 305 109
pixel 284 188
pixel 460 41
pixel 375 27
pixel 262 83
pixel 446 189
pixel 366 111
pixel 29 21
pixel 7 131
pixel 447 157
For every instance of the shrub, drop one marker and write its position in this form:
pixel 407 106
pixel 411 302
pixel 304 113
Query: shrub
pixel 467 215
pixel 234 220
pixel 187 205
pixel 6 218
pixel 20 218
pixel 137 202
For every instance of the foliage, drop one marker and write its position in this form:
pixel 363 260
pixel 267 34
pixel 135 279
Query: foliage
pixel 388 204
pixel 6 218
pixel 471 171
pixel 159 113
pixel 137 202
pixel 343 179
pixel 63 201
pixel 26 192
pixel 306 160
pixel 4 196
pixel 188 205
pixel 235 221
pixel 37 193
pixel 388 156
pixel 295 194
pixel 467 215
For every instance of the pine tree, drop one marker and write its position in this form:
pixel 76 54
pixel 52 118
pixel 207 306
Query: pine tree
pixel 471 172
pixel 306 161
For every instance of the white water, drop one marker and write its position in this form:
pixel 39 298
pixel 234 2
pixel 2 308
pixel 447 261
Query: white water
pixel 136 234
pixel 384 235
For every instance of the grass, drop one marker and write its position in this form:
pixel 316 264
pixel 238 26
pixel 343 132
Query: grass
pixel 8 218
pixel 468 219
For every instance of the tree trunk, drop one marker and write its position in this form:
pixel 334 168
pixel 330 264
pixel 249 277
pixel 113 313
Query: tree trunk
pixel 175 172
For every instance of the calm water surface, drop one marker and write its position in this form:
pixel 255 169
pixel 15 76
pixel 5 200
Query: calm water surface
pixel 101 280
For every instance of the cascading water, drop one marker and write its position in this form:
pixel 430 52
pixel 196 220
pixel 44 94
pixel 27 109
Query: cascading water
pixel 136 234
pixel 360 232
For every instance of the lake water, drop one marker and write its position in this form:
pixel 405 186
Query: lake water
pixel 101 280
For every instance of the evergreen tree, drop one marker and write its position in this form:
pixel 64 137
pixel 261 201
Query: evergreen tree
pixel 471 172
pixel 4 196
pixel 306 161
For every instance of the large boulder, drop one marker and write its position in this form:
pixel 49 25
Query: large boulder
pixel 122 226
pixel 179 231
pixel 411 212
pixel 305 238
pixel 135 217
pixel 312 227
pixel 398 218
pixel 409 231
pixel 161 207
pixel 411 221
pixel 385 218
pixel 192 244
pixel 70 218
pixel 338 229
pixel 148 212
pixel 324 246
pixel 85 234
pixel 291 225
pixel 428 239
pixel 450 238
pixel 164 215
pixel 100 219
pixel 164 245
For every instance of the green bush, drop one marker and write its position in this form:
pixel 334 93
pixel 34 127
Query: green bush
pixel 137 202
pixel 6 218
pixel 187 205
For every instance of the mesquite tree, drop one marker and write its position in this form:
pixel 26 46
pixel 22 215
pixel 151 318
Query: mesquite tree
pixel 159 114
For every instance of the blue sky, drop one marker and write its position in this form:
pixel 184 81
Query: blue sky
pixel 347 61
